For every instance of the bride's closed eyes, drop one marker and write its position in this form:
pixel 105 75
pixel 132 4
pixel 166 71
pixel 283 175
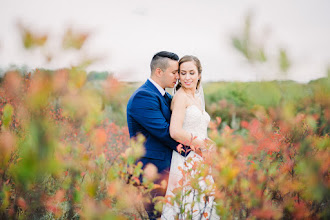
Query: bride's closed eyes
pixel 184 72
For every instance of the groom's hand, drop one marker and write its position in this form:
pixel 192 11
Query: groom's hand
pixel 183 149
pixel 180 148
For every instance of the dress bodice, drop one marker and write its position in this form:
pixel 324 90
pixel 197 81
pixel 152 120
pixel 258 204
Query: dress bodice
pixel 196 121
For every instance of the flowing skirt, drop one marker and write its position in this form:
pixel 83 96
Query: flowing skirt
pixel 190 190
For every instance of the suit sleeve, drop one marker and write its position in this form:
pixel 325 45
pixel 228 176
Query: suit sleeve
pixel 147 112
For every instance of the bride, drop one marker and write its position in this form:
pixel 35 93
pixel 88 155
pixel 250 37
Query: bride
pixel 189 122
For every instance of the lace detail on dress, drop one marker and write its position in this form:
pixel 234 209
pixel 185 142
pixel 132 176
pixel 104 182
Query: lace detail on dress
pixel 196 121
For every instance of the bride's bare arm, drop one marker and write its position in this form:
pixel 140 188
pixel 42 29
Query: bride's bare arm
pixel 179 105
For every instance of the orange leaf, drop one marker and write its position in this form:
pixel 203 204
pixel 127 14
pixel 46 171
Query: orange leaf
pixel 100 137
pixel 21 203
pixel 218 120
pixel 244 124
pixel 181 182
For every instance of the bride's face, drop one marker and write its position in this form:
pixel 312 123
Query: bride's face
pixel 189 75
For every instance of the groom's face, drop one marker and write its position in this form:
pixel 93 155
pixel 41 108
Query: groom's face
pixel 170 75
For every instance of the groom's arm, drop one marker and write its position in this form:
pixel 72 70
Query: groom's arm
pixel 147 113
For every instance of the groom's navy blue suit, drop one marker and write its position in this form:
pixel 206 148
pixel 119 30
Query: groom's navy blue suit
pixel 149 113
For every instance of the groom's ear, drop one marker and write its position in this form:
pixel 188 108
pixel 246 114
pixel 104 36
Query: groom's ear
pixel 158 72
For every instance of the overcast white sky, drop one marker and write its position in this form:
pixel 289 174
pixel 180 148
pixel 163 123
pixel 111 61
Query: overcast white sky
pixel 127 33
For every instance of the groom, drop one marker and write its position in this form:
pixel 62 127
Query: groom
pixel 149 114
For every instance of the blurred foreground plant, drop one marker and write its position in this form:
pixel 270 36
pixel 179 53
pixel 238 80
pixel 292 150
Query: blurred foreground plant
pixel 279 168
pixel 61 157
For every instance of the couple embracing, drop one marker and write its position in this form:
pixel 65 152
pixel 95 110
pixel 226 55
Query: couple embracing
pixel 167 124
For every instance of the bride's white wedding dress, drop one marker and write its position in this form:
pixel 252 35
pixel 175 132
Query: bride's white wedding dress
pixel 192 205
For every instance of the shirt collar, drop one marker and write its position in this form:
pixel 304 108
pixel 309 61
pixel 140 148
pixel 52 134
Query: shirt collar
pixel 160 89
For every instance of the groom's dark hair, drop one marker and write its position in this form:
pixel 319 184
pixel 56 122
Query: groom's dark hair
pixel 160 60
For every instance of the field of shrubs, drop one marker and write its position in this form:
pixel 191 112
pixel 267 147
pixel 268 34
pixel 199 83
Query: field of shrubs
pixel 66 154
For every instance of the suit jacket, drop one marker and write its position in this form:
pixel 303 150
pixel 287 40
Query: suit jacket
pixel 149 113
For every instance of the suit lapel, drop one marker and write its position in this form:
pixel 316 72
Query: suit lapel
pixel 153 88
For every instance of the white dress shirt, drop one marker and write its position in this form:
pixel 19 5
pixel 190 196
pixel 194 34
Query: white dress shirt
pixel 160 89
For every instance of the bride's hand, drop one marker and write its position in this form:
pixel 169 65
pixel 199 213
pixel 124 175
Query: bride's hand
pixel 209 145
pixel 198 144
pixel 202 146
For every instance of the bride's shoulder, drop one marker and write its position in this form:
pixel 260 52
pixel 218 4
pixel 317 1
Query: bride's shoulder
pixel 180 95
pixel 179 99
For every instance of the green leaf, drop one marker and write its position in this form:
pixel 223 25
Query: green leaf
pixel 8 111
pixel 284 61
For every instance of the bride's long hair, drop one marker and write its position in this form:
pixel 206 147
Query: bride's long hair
pixel 189 58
